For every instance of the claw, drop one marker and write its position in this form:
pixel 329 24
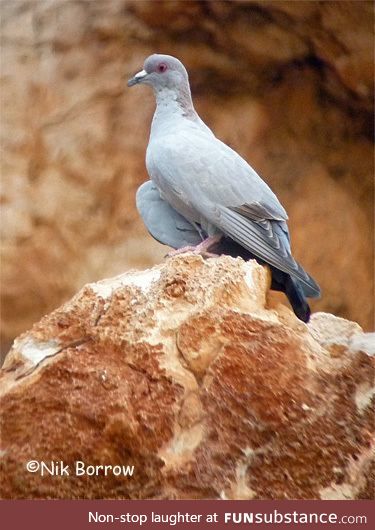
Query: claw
pixel 201 249
pixel 181 250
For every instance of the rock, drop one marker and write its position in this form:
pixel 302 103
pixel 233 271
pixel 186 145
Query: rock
pixel 186 372
pixel 288 84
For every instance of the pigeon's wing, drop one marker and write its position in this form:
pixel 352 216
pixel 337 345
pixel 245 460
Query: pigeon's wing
pixel 191 163
pixel 267 239
pixel 163 222
pixel 223 189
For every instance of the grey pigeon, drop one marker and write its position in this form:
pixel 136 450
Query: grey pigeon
pixel 163 222
pixel 203 194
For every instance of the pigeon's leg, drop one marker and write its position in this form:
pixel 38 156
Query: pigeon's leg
pixel 201 249
pixel 200 231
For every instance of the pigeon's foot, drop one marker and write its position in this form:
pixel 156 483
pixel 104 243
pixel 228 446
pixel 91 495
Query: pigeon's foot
pixel 201 249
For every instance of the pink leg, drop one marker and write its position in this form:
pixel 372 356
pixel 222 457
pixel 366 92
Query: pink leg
pixel 201 249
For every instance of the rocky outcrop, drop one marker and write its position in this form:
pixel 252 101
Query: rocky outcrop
pixel 188 373
pixel 287 84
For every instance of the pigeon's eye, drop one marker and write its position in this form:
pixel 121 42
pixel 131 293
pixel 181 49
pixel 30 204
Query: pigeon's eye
pixel 162 67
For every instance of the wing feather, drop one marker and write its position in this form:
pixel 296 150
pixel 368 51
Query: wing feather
pixel 254 238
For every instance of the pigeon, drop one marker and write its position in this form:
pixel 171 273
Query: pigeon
pixel 203 196
pixel 164 223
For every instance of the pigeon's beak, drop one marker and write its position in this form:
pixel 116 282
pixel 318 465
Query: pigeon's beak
pixel 137 78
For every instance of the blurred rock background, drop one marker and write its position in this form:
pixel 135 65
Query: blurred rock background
pixel 288 84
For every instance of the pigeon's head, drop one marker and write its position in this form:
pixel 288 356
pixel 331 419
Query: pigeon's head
pixel 161 71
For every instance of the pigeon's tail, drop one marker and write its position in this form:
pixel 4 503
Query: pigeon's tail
pixel 295 290
pixel 296 297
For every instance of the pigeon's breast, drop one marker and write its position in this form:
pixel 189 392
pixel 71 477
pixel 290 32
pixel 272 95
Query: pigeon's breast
pixel 166 176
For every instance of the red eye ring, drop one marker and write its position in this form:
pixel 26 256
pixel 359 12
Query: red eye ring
pixel 162 67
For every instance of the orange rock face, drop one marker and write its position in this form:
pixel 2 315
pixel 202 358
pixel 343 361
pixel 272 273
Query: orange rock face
pixel 289 85
pixel 188 373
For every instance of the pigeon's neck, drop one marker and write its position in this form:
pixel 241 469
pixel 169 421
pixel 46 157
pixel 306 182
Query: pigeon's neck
pixel 175 109
pixel 172 102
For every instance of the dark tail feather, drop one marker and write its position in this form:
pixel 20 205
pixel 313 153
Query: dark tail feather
pixel 297 299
